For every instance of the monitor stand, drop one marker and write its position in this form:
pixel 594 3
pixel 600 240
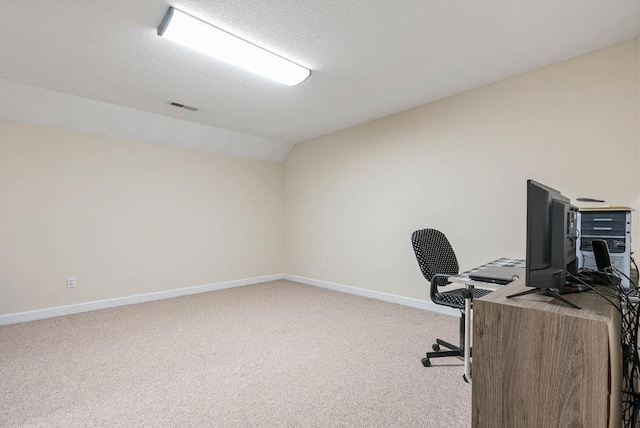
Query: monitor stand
pixel 545 292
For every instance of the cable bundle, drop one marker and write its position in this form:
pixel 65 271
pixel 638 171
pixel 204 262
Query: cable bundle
pixel 626 302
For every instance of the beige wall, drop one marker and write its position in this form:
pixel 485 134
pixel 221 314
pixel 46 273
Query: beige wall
pixel 353 198
pixel 127 218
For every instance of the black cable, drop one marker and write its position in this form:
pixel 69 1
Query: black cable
pixel 629 346
pixel 631 257
pixel 619 272
pixel 579 239
pixel 630 320
pixel 630 372
pixel 594 290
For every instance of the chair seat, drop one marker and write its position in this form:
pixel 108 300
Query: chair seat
pixel 454 299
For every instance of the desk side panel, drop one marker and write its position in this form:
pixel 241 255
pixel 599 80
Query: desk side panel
pixel 615 360
pixel 533 368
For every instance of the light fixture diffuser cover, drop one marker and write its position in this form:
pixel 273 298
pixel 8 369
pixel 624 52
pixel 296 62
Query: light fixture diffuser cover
pixel 196 34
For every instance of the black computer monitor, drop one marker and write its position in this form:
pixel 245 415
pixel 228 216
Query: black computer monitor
pixel 551 237
pixel 551 242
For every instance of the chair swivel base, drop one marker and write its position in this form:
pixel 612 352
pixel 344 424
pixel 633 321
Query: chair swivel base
pixel 454 351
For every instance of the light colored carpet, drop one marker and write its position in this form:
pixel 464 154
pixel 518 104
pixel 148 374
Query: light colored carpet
pixel 275 354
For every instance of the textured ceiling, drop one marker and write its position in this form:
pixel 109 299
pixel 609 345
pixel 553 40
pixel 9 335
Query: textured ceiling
pixel 369 58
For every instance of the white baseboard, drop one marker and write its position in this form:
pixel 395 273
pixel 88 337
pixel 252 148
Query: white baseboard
pixel 128 300
pixel 392 298
pixel 159 295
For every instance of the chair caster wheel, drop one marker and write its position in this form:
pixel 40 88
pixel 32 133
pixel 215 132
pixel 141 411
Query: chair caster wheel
pixel 435 347
pixel 426 362
pixel 464 377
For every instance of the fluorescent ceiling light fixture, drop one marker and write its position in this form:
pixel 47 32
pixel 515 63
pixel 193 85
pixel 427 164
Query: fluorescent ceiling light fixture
pixel 196 34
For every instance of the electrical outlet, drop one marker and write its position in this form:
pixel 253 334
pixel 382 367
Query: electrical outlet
pixel 324 265
pixel 230 266
pixel 71 283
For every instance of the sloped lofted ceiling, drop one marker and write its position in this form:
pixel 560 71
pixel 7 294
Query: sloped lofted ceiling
pixel 369 59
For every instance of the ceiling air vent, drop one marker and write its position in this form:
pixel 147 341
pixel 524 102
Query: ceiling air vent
pixel 171 103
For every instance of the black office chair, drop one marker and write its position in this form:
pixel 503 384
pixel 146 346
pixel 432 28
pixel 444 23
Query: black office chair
pixel 438 262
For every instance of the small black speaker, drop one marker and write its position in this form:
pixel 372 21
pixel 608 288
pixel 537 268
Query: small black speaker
pixel 601 253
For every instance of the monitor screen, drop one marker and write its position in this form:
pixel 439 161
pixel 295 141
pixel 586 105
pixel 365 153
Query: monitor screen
pixel 551 237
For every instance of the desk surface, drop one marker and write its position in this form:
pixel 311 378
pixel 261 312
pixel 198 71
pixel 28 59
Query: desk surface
pixel 593 306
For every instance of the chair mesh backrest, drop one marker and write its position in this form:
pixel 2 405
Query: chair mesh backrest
pixel 434 253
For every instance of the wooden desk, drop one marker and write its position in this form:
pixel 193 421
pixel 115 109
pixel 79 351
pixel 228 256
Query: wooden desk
pixel 540 363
